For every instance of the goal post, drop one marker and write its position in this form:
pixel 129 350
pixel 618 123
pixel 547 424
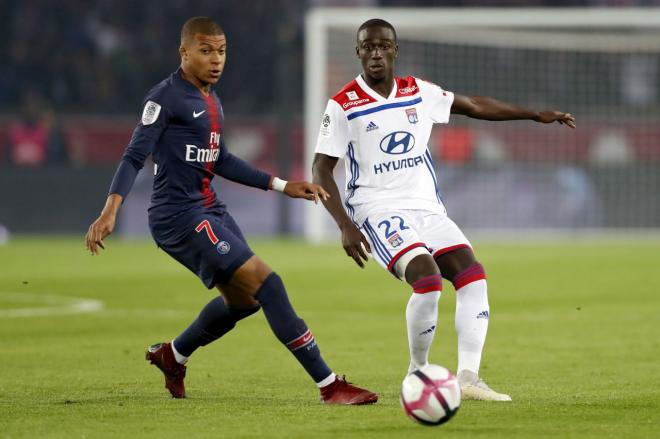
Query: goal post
pixel 601 64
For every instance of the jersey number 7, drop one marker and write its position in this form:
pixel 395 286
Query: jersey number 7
pixel 205 225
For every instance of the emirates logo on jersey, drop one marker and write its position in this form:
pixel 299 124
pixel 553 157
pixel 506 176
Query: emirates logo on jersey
pixel 214 141
pixel 201 155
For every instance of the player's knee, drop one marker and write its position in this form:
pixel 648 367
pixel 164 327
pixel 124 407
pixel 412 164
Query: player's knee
pixel 240 313
pixel 415 265
pixel 473 273
pixel 453 262
pixel 272 283
pixel 239 297
pixel 251 275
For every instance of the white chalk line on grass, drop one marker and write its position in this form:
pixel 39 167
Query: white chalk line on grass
pixel 146 313
pixel 54 305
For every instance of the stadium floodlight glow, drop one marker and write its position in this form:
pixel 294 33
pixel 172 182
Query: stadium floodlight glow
pixel 607 55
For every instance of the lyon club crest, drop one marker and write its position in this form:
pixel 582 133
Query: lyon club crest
pixel 395 240
pixel 412 115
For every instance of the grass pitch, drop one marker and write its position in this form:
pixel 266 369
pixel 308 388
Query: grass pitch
pixel 573 338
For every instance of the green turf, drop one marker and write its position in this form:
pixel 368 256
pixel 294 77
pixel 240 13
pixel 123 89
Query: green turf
pixel 573 338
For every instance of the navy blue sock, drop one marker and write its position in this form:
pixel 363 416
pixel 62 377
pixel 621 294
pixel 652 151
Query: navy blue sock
pixel 290 329
pixel 215 320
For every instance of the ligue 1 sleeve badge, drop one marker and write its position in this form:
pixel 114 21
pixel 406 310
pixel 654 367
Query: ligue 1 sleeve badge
pixel 412 115
pixel 223 247
pixel 150 113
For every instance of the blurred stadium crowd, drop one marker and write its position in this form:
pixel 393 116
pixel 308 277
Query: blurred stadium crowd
pixel 76 57
pixel 74 73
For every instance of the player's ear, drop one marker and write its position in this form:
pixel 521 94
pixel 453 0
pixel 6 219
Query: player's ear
pixel 396 50
pixel 357 51
pixel 183 52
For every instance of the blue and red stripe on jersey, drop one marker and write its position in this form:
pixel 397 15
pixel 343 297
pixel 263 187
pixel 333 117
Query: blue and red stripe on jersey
pixel 214 143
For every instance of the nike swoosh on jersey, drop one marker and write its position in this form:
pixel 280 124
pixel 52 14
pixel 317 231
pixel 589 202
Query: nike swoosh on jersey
pixel 196 114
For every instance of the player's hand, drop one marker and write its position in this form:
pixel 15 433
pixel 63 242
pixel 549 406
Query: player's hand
pixel 355 244
pixel 98 231
pixel 556 116
pixel 306 190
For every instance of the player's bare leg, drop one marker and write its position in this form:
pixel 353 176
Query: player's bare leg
pixel 471 320
pixel 254 280
pixel 422 309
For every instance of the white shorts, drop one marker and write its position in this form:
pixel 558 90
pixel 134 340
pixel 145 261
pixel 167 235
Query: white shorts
pixel 395 233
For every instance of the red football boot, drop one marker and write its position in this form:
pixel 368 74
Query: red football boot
pixel 343 392
pixel 162 357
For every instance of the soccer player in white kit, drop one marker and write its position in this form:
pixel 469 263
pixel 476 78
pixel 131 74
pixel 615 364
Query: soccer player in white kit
pixel 380 124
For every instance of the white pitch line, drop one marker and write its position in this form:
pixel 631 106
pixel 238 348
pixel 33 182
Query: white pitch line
pixel 56 305
pixel 146 312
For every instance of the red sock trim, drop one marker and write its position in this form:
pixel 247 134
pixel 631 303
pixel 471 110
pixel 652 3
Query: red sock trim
pixel 472 274
pixel 428 284
pixel 301 341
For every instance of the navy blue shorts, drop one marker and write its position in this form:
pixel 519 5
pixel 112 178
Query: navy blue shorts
pixel 208 242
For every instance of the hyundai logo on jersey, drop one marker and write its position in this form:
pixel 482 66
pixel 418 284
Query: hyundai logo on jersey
pixel 398 142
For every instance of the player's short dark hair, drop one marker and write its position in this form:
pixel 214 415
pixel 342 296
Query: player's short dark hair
pixel 376 22
pixel 200 25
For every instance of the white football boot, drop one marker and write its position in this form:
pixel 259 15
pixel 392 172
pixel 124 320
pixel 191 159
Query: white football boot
pixel 473 387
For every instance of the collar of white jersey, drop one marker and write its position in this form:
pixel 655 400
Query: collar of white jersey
pixel 377 96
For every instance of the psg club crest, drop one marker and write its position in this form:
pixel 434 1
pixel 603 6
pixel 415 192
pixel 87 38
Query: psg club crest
pixel 395 240
pixel 412 115
pixel 223 247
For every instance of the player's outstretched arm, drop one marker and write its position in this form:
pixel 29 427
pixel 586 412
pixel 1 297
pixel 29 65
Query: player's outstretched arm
pixel 485 108
pixel 104 224
pixel 301 189
pixel 353 240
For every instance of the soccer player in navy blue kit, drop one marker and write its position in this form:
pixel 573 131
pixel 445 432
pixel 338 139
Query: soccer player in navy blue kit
pixel 182 128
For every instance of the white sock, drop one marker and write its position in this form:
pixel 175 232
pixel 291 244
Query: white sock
pixel 177 356
pixel 472 314
pixel 327 381
pixel 421 319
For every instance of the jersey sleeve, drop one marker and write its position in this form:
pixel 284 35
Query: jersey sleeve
pixel 438 101
pixel 333 135
pixel 233 168
pixel 145 135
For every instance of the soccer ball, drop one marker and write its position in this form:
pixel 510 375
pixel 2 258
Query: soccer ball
pixel 430 395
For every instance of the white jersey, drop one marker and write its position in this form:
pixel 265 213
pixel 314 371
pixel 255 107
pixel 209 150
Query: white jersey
pixel 384 144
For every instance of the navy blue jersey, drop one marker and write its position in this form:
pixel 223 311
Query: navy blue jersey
pixel 183 130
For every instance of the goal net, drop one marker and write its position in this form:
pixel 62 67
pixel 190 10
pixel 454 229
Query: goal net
pixel 602 65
